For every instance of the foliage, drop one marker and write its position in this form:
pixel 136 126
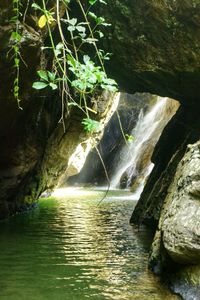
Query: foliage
pixel 91 125
pixel 15 40
pixel 129 138
pixel 73 69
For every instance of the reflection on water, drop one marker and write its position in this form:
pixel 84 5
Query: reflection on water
pixel 77 248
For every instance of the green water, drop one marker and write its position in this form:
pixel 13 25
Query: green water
pixel 72 248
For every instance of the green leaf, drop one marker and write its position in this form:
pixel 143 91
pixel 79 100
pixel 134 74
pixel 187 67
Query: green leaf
pixel 16 88
pixel 53 85
pixel 103 2
pixel 91 125
pixel 129 138
pixel 92 15
pixel 16 36
pixel 71 28
pixel 92 2
pixel 43 75
pixel 59 46
pixel 39 85
pixel 100 34
pixel 108 87
pixel 86 59
pixel 71 61
pixel 17 62
pixel 36 6
pixel 90 40
pixel 72 21
pixel 80 28
pixel 52 76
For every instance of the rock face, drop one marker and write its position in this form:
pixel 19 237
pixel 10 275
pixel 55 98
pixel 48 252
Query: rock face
pixel 155 46
pixel 178 234
pixel 180 217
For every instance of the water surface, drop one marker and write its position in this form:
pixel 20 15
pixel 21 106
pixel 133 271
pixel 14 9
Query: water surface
pixel 74 248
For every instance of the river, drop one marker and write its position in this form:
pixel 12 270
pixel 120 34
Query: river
pixel 74 247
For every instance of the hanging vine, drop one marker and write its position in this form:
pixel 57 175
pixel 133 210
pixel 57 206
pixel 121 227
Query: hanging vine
pixel 72 67
pixel 15 40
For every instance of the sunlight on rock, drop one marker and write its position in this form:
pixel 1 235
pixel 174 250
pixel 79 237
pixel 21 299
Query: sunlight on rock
pixel 78 158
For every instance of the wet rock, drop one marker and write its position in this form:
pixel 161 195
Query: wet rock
pixel 176 245
pixel 181 212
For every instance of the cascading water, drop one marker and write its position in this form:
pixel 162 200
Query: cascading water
pixel 135 161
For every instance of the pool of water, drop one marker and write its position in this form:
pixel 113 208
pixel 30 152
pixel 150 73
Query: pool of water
pixel 74 247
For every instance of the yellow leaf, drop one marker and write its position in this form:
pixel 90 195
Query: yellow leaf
pixel 42 21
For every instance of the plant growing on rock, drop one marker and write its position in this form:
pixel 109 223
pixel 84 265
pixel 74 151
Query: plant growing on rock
pixel 73 69
pixel 15 40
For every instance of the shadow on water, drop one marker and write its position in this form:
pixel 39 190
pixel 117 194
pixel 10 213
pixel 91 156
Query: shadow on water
pixel 72 247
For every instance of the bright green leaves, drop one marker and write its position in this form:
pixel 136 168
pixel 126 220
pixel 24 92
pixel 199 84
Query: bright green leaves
pixel 75 72
pixel 36 6
pixel 47 79
pixel 88 76
pixel 98 20
pixel 15 41
pixel 43 75
pixel 73 25
pixel 129 138
pixel 38 85
pixel 92 2
pixel 16 37
pixel 91 126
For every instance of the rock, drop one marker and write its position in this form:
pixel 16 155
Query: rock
pixel 179 132
pixel 155 46
pixel 176 245
pixel 180 217
pixel 187 282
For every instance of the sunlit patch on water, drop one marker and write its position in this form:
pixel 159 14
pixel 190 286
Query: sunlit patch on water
pixel 72 192
pixel 73 248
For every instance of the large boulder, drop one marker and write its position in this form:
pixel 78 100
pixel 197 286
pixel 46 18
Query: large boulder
pixel 178 234
pixel 180 215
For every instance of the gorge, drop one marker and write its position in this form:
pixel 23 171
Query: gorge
pixel 155 46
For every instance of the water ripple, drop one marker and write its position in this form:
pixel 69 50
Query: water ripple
pixel 72 248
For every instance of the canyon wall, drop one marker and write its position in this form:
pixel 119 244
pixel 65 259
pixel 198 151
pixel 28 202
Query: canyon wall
pixel 155 46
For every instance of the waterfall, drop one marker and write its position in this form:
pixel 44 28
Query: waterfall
pixel 134 161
